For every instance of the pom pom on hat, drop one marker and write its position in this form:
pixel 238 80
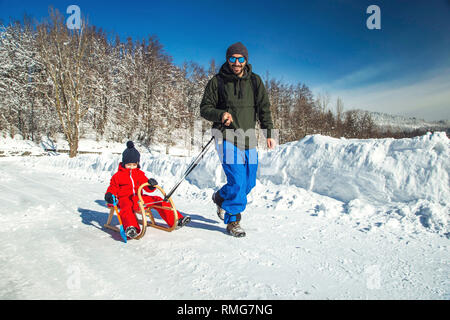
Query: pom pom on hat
pixel 130 144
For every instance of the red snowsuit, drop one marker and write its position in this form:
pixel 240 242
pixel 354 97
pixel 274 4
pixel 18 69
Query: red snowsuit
pixel 124 185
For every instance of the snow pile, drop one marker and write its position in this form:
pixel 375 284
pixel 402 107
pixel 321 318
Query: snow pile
pixel 374 169
pixel 18 147
pixel 383 182
pixel 375 182
pixel 89 144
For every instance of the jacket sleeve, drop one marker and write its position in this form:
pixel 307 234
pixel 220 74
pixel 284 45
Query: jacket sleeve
pixel 265 115
pixel 113 187
pixel 208 106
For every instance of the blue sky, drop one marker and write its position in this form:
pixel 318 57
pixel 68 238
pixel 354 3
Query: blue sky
pixel 403 68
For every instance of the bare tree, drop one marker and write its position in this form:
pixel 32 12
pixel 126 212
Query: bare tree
pixel 339 129
pixel 69 66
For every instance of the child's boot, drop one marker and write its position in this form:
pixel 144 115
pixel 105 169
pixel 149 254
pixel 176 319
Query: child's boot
pixel 131 232
pixel 183 221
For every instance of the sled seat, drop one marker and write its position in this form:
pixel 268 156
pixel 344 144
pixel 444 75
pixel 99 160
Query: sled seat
pixel 145 210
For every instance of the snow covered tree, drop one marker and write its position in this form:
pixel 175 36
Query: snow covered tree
pixel 78 82
pixel 70 69
pixel 351 124
pixel 18 68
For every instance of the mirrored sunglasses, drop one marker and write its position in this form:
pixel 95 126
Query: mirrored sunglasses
pixel 233 59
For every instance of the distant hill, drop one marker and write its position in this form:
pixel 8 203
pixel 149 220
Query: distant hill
pixel 400 123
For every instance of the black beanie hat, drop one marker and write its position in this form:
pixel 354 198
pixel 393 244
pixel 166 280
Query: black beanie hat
pixel 130 155
pixel 237 48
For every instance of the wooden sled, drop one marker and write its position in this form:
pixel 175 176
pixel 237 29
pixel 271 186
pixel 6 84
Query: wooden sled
pixel 146 212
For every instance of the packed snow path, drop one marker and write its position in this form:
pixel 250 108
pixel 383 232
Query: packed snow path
pixel 53 246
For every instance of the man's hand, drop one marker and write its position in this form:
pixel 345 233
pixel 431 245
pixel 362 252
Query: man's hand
pixel 270 143
pixel 227 119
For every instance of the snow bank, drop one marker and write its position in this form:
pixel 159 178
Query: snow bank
pixel 392 180
pixel 383 182
pixel 18 147
pixel 374 169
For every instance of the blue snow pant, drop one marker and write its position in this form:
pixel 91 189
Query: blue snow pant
pixel 240 168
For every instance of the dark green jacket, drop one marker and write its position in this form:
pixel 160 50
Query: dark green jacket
pixel 240 104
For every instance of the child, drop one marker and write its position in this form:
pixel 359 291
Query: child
pixel 124 186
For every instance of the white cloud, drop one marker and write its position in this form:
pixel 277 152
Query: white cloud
pixel 358 77
pixel 427 98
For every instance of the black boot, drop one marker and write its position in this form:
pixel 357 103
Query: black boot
pixel 217 199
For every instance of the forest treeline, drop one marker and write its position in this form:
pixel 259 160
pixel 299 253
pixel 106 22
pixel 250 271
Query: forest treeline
pixel 54 80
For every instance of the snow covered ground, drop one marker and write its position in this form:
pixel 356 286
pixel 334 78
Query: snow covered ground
pixel 328 219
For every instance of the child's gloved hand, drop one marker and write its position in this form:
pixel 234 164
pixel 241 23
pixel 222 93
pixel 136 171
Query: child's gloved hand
pixel 109 197
pixel 152 182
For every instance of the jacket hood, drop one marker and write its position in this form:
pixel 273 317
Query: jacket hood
pixel 228 74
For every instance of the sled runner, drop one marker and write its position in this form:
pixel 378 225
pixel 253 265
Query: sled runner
pixel 145 212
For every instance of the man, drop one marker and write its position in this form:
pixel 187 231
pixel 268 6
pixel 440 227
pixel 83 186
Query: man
pixel 236 98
